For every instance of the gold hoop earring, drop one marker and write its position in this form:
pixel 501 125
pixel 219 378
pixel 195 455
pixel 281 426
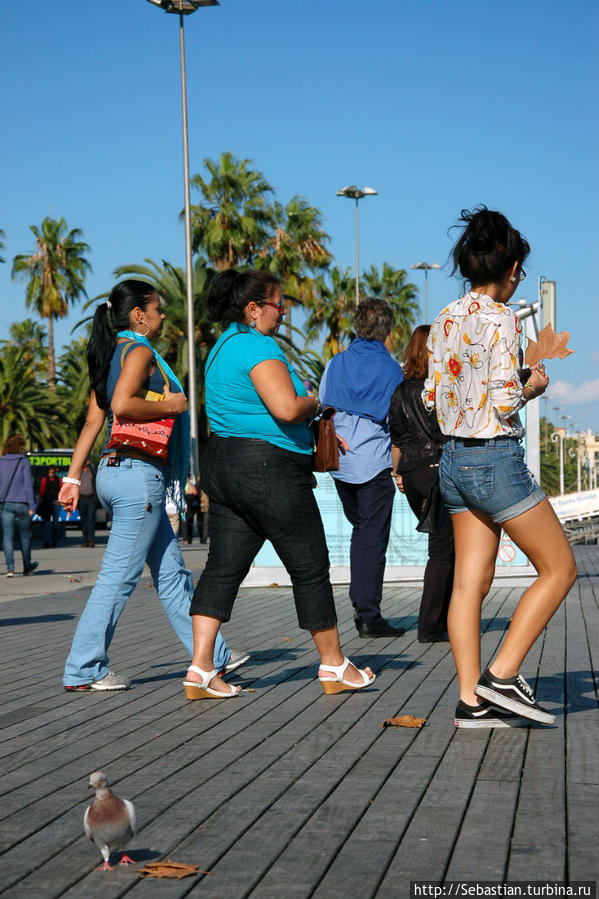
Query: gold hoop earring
pixel 147 328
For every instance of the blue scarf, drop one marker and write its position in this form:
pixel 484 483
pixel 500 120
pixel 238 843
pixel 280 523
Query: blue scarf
pixel 180 443
pixel 361 380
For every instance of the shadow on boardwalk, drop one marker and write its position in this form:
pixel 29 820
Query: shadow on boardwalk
pixel 285 792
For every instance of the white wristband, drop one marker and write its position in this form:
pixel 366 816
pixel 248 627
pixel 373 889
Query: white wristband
pixel 75 481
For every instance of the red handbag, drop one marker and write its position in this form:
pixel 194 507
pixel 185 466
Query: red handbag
pixel 150 437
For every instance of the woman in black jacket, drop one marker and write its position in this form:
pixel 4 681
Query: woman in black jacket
pixel 416 449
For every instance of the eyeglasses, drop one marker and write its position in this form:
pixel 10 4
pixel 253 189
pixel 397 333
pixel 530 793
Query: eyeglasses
pixel 280 307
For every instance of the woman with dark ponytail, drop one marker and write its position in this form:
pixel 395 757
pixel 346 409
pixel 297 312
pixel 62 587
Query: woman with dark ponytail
pixel 475 387
pixel 130 483
pixel 257 472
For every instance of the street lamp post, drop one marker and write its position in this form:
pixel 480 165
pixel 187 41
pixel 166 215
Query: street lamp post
pixel 426 267
pixel 572 453
pixel 355 193
pixel 557 409
pixel 186 8
pixel 557 435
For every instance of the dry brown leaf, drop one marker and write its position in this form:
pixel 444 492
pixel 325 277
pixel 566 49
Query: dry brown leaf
pixel 170 869
pixel 274 584
pixel 286 639
pixel 404 721
pixel 550 346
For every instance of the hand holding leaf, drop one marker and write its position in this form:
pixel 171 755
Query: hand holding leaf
pixel 549 346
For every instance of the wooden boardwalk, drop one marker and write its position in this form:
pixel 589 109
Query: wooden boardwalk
pixel 286 792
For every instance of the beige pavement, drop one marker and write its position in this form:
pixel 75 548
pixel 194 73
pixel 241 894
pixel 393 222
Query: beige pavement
pixel 72 567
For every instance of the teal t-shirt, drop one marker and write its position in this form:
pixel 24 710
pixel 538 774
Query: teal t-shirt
pixel 233 406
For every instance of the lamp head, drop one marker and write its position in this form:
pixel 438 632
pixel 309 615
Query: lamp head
pixel 427 266
pixel 355 193
pixel 183 7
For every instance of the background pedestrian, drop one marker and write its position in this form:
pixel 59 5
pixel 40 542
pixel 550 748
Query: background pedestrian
pixel 17 503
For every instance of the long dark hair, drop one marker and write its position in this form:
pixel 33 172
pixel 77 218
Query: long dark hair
pixel 415 366
pixel 487 247
pixel 231 291
pixel 110 318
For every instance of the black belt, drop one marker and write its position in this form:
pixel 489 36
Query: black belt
pixel 477 441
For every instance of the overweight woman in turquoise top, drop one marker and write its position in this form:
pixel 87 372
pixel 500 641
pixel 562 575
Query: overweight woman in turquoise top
pixel 256 469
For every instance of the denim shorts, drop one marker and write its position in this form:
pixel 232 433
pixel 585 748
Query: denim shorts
pixel 490 476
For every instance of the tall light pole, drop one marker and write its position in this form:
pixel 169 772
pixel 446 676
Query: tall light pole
pixel 186 8
pixel 557 435
pixel 426 267
pixel 557 409
pixel 356 193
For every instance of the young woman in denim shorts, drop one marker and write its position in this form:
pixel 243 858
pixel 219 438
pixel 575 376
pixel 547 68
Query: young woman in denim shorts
pixel 474 385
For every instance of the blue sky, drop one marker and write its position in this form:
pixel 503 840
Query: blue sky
pixel 438 106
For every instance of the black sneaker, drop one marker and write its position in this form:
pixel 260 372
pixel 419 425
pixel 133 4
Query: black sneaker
pixel 485 715
pixel 30 568
pixel 514 694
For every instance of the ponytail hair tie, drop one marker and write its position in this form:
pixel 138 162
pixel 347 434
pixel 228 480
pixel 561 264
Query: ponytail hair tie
pixel 108 304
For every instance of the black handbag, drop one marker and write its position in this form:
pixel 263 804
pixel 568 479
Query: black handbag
pixel 433 511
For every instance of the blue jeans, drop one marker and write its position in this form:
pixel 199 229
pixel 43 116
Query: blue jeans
pixel 16 513
pixel 133 494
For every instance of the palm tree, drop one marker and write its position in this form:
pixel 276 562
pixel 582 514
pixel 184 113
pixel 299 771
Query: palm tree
pixel 30 338
pixel 2 236
pixel 73 383
pixel 236 215
pixel 331 310
pixel 390 284
pixel 296 248
pixel 56 271
pixel 27 406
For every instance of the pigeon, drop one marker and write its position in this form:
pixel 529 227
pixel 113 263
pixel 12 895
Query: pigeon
pixel 109 821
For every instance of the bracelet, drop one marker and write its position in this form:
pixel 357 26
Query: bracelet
pixel 528 386
pixel 75 481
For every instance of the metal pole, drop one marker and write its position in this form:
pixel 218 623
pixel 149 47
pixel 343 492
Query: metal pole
pixel 357 254
pixel 561 465
pixel 192 387
pixel 426 296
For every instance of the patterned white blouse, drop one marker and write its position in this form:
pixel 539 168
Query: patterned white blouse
pixel 473 378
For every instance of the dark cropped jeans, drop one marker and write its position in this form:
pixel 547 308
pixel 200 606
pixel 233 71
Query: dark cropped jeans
pixel 260 492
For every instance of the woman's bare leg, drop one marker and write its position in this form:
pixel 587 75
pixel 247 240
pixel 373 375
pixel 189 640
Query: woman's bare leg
pixel 476 540
pixel 205 629
pixel 540 536
pixel 329 650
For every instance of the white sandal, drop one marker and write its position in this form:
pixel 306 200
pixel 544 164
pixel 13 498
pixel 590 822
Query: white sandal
pixel 338 683
pixel 201 690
